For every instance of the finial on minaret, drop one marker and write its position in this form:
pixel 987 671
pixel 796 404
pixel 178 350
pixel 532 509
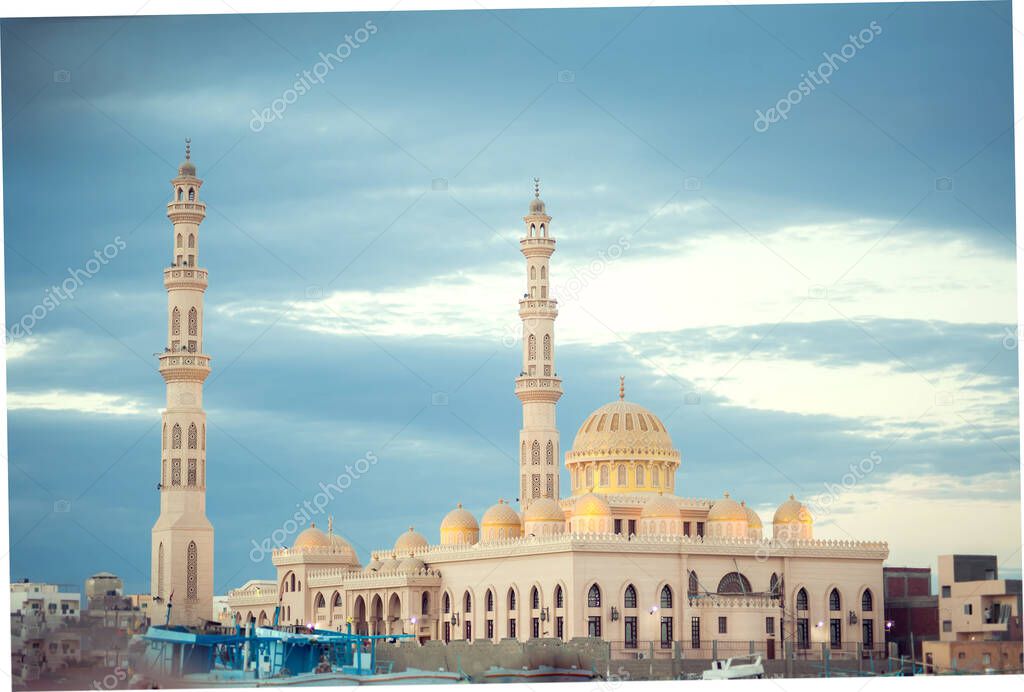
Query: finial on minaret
pixel 330 525
pixel 622 387
pixel 188 148
pixel 536 187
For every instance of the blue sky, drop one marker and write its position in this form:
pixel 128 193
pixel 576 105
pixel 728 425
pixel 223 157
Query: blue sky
pixel 788 301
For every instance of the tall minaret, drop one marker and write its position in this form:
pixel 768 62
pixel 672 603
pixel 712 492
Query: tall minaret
pixel 537 386
pixel 182 559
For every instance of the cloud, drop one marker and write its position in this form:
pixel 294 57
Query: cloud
pixel 78 403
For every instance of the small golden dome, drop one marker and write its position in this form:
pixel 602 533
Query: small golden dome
pixel 459 518
pixel 544 509
pixel 727 509
pixel 591 505
pixel 792 511
pixel 389 565
pixel 752 517
pixel 373 565
pixel 311 538
pixel 501 515
pixel 409 541
pixel 660 506
pixel 621 425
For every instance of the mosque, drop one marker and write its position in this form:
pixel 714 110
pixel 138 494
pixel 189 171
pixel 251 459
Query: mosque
pixel 619 557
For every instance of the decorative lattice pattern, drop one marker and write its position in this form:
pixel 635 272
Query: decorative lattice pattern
pixel 175 471
pixel 192 572
pixel 176 437
pixel 175 322
pixel 192 473
pixel 535 452
pixel 193 322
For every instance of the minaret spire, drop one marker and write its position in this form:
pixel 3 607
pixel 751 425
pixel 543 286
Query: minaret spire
pixel 538 386
pixel 182 538
pixel 622 387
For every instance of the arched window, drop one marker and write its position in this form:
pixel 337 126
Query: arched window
pixel 655 477
pixel 834 602
pixel 191 240
pixel 734 582
pixel 547 347
pixel 629 598
pixel 666 596
pixel 336 603
pixel 543 270
pixel 511 599
pixel 489 601
pixel 425 603
pixel 181 194
pixel 867 601
pixel 694 585
pixel 175 322
pixel 532 347
pixel 594 597
pixel 193 322
pixel 160 571
pixel 534 598
pixel 533 273
pixel 773 585
pixel 623 475
pixel 543 231
pixel 535 452
pixel 178 241
pixel 640 475
pixel 176 437
pixel 801 599
pixel 203 442
pixel 193 435
pixel 191 194
pixel 559 597
pixel 533 230
pixel 590 477
pixel 446 602
pixel 320 601
pixel 604 476
pixel 192 572
pixel 550 455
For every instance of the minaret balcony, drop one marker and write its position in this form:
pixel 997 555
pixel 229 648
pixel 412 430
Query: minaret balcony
pixel 184 366
pixel 537 246
pixel 186 212
pixel 535 388
pixel 538 307
pixel 185 277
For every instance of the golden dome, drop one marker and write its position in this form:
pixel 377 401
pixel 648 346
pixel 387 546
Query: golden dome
pixel 501 515
pixel 311 538
pixel 727 509
pixel 660 506
pixel 409 541
pixel 621 425
pixel 459 518
pixel 752 517
pixel 591 505
pixel 544 509
pixel 792 511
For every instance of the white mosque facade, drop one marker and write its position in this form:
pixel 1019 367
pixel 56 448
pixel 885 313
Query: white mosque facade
pixel 620 556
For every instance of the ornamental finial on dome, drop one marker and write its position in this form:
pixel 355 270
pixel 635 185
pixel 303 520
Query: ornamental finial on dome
pixel 188 148
pixel 622 387
pixel 536 188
